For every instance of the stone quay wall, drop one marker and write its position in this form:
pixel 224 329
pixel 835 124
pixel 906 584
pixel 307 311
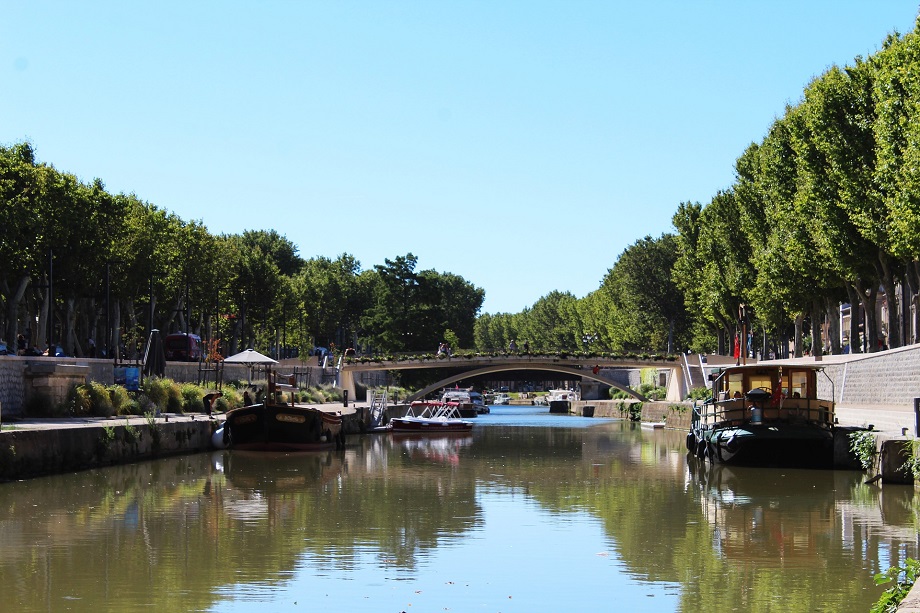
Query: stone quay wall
pixel 885 379
pixel 675 415
pixel 32 453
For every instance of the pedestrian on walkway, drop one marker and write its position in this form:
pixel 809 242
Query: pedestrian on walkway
pixel 208 402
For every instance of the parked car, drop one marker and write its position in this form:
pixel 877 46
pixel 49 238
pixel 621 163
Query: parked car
pixel 182 347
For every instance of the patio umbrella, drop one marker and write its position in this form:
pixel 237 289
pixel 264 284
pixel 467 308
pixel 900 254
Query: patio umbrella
pixel 154 356
pixel 249 358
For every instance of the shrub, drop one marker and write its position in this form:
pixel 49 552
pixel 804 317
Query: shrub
pixel 863 445
pixel 635 411
pixel 652 392
pixel 78 401
pixel 222 405
pixel 100 400
pixel 173 398
pixel 904 578
pixel 912 464
pixel 699 393
pixel 331 394
pixel 156 390
pixel 191 398
pixel 164 393
pixel 231 399
pixel 122 403
pixel 132 407
pixel 144 405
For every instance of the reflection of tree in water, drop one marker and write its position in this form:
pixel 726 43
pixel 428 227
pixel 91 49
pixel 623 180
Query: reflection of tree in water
pixel 154 533
pixel 760 525
pixel 662 520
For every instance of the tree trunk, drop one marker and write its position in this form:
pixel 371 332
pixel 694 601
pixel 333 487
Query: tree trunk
pixel 855 319
pixel 892 321
pixel 869 299
pixel 911 304
pixel 817 337
pixel 68 336
pixel 833 325
pixel 116 332
pixel 45 320
pixel 12 309
pixel 799 324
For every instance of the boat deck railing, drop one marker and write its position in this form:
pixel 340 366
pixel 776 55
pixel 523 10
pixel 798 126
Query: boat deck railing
pixel 434 410
pixel 742 411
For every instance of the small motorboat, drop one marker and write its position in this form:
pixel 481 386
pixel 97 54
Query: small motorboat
pixel 431 419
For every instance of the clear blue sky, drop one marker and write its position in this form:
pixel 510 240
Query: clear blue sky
pixel 521 144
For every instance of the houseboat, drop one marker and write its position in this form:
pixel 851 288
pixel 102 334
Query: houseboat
pixel 767 414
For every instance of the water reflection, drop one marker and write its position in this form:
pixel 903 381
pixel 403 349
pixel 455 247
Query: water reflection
pixel 500 519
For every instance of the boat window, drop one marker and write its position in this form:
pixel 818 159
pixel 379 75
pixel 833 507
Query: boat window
pixel 759 380
pixel 735 384
pixel 799 383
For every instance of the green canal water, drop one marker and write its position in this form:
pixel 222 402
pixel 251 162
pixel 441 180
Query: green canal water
pixel 532 512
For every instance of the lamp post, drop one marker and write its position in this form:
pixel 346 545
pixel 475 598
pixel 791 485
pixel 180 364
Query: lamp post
pixel 108 309
pixel 50 300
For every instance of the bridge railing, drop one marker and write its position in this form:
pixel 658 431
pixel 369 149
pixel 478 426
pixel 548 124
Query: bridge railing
pixel 532 355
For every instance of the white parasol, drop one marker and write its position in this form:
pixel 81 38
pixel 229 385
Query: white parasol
pixel 249 358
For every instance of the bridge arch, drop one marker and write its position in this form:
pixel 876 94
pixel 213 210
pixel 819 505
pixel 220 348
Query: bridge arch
pixel 577 372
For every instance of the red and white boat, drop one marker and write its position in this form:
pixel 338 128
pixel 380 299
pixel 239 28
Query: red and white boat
pixel 431 419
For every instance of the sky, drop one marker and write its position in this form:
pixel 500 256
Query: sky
pixel 522 145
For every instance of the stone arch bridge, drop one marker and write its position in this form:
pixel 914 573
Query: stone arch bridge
pixel 590 368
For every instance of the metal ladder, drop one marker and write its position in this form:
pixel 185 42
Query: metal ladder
pixel 378 410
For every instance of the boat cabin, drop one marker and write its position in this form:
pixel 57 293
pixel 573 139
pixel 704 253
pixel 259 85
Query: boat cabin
pixel 767 392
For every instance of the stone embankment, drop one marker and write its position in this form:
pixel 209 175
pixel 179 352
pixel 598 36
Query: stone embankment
pixel 674 415
pixel 36 447
pixel 55 446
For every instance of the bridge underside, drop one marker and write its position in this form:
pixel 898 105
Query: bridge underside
pixel 487 370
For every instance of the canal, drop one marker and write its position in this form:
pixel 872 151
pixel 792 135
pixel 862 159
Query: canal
pixel 532 512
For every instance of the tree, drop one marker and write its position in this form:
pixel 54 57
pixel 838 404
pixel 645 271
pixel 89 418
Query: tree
pixel 649 308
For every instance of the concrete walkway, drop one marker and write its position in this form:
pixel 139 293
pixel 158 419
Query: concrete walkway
pixel 888 420
pixel 59 423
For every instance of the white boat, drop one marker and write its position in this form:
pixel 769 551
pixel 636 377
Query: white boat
pixel 561 395
pixel 469 402
pixel 438 418
pixel 501 399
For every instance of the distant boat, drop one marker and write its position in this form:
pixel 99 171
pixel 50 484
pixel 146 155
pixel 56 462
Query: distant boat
pixel 469 402
pixel 560 401
pixel 431 420
pixel 554 395
pixel 768 414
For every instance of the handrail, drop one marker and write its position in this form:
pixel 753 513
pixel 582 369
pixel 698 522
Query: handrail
pixel 740 411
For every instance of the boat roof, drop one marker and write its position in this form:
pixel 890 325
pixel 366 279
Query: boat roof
pixel 771 364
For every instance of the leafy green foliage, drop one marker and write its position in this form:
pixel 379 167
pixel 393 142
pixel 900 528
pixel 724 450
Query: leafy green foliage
pixel 903 578
pixel 864 446
pixel 699 393
pixel 912 464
